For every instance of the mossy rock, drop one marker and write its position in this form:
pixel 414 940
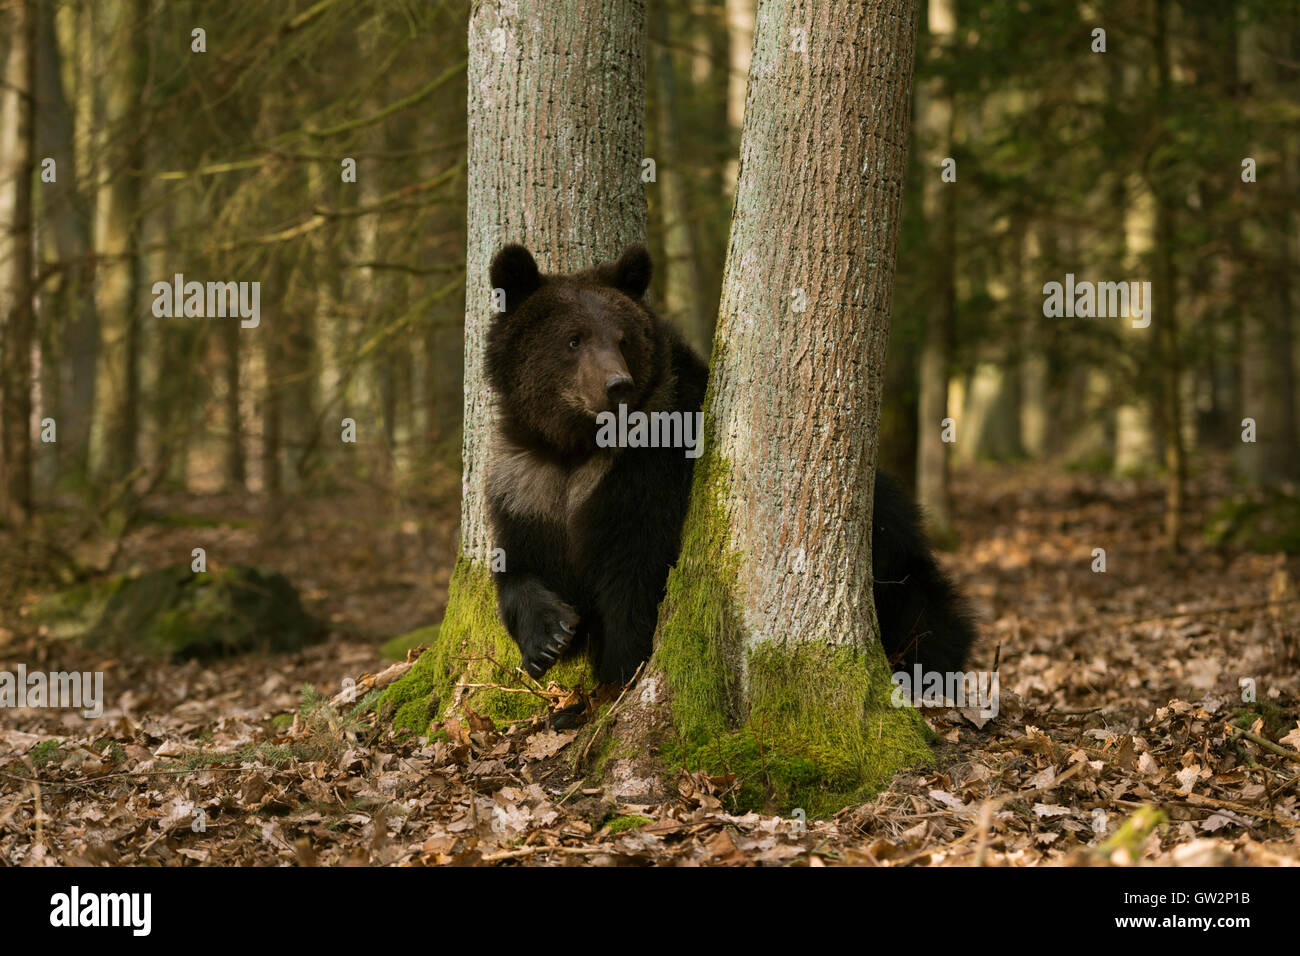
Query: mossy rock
pixel 176 613
pixel 1262 522
pixel 74 611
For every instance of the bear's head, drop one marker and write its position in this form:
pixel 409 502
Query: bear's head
pixel 568 347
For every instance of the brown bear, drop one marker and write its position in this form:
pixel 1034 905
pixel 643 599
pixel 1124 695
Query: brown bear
pixel 590 527
pixel 588 532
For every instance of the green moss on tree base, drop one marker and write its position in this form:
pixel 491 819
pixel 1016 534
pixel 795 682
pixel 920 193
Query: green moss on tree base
pixel 818 730
pixel 821 732
pixel 699 635
pixel 472 647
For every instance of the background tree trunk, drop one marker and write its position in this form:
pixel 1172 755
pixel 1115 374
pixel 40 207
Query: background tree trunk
pixel 740 44
pixel 1137 445
pixel 683 304
pixel 118 382
pixel 17 167
pixel 556 138
pixel 69 222
pixel 768 646
pixel 937 117
pixel 1166 317
pixel 233 462
pixel 1267 373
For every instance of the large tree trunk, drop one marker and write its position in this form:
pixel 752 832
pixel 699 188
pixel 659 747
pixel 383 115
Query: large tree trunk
pixel 935 114
pixel 556 138
pixel 767 659
pixel 17 165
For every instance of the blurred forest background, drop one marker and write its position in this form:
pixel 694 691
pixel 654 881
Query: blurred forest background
pixel 1171 157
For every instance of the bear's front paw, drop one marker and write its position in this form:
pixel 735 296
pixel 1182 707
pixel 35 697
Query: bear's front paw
pixel 548 636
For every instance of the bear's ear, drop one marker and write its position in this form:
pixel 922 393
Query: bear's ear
pixel 631 273
pixel 514 270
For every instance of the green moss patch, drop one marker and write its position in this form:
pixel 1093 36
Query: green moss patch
pixel 1134 832
pixel 74 611
pixel 473 650
pixel 1266 522
pixel 46 752
pixel 699 620
pixel 1276 721
pixel 821 732
pixel 625 823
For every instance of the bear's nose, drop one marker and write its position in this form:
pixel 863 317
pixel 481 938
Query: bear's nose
pixel 618 387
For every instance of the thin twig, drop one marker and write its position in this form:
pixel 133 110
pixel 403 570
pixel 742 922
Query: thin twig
pixel 1266 743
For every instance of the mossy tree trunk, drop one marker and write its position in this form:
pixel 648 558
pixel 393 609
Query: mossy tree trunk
pixel 767 659
pixel 556 140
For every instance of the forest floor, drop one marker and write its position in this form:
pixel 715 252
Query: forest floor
pixel 1122 736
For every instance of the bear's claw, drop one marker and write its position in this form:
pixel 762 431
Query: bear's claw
pixel 556 626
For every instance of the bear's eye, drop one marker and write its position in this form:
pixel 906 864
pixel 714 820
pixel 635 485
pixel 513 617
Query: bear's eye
pixel 575 341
